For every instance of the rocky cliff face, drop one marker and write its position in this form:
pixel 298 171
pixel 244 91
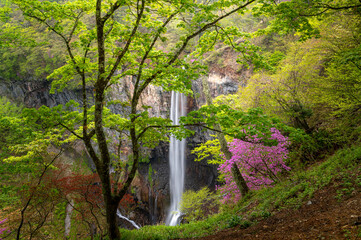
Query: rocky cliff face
pixel 34 94
pixel 155 196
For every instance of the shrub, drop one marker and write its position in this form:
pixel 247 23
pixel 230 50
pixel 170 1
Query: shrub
pixel 259 163
pixel 198 205
pixel 2 230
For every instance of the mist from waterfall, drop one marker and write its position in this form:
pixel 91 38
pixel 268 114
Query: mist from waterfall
pixel 176 160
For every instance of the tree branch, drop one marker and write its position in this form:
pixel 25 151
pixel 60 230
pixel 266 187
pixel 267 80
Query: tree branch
pixel 72 131
pixel 125 49
pixel 75 25
pixel 203 125
pixel 111 11
pixel 151 47
pixel 66 40
pixel 22 212
pixel 185 43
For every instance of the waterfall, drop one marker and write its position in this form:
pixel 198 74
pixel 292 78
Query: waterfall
pixel 127 219
pixel 176 160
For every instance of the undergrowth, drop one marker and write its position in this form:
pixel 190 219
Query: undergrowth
pixel 290 193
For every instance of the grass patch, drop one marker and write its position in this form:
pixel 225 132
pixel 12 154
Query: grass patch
pixel 193 229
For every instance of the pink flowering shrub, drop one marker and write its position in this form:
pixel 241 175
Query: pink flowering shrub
pixel 2 230
pixel 259 164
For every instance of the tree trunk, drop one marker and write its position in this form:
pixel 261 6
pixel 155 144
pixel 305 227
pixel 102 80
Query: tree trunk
pixel 111 216
pixel 67 221
pixel 237 176
pixel 240 182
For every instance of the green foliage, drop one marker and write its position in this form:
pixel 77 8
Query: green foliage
pixel 314 86
pixel 13 131
pixel 243 125
pixel 285 91
pixel 350 183
pixel 275 58
pixel 235 123
pixel 150 176
pixel 27 51
pixel 311 148
pixel 198 205
pixel 235 220
pixel 303 184
pixel 339 86
pixel 209 151
pixel 29 147
pixel 191 230
pixel 9 109
pixel 108 43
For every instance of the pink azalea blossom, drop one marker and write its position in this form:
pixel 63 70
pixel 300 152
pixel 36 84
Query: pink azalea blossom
pixel 258 163
pixel 2 230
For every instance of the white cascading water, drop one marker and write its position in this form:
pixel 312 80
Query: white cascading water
pixel 127 219
pixel 176 160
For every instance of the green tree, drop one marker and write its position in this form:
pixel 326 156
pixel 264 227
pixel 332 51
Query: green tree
pixel 28 150
pixel 110 41
pixel 287 92
pixel 338 87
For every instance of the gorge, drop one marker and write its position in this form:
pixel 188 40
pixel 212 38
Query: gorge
pixel 156 196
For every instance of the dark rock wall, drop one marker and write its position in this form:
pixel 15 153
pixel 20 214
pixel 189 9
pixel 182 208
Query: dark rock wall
pixel 34 94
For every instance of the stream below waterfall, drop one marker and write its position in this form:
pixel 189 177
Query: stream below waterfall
pixel 127 219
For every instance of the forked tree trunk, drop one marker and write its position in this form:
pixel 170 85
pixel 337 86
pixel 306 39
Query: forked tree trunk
pixel 237 175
